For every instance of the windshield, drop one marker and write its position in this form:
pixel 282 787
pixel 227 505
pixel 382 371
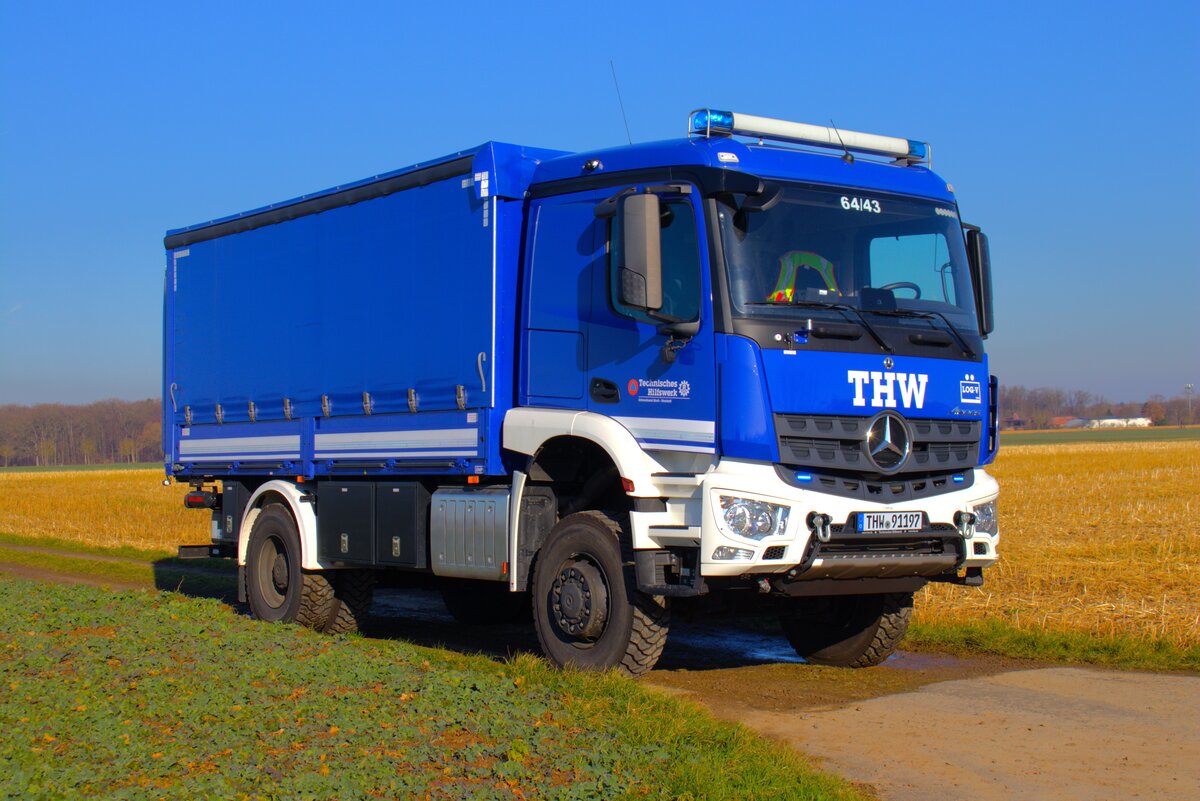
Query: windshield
pixel 878 253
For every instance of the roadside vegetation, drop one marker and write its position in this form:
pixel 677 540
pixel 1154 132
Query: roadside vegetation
pixel 156 695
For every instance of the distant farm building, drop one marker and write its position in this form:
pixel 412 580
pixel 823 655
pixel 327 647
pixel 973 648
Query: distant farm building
pixel 1067 421
pixel 1120 422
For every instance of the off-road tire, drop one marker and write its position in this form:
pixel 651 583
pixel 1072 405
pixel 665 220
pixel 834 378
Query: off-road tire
pixel 278 589
pixel 353 592
pixel 484 603
pixel 635 624
pixel 847 630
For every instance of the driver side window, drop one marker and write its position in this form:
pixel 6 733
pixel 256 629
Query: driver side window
pixel 680 265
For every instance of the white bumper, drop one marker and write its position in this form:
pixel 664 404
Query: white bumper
pixel 694 518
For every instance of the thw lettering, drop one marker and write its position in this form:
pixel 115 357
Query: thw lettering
pixel 883 389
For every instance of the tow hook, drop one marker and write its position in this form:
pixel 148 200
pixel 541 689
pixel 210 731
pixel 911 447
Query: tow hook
pixel 965 523
pixel 819 524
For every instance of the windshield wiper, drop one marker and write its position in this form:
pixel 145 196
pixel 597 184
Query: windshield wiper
pixel 843 308
pixel 929 315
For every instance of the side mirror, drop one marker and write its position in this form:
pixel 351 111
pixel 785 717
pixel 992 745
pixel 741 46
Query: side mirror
pixel 641 253
pixel 980 262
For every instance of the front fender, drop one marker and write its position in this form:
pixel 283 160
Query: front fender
pixel 527 430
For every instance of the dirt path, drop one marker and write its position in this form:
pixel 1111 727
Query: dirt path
pixel 919 727
pixel 1051 733
pixel 1043 733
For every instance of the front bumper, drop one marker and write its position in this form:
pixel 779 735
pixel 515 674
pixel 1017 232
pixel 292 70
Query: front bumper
pixel 694 519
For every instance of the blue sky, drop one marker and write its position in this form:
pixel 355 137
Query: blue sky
pixel 1063 128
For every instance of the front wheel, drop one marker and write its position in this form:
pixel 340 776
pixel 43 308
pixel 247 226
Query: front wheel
pixel 587 609
pixel 847 630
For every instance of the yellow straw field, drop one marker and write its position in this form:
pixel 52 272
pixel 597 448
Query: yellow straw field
pixel 1095 537
pixel 104 508
pixel 1101 538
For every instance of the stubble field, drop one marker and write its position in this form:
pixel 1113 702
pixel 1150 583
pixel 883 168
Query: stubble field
pixel 1096 538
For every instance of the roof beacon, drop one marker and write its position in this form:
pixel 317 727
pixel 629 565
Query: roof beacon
pixel 709 122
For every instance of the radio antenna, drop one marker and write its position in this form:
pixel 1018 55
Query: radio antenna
pixel 847 156
pixel 620 101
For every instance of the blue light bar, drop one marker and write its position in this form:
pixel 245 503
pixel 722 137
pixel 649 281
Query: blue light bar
pixel 805 477
pixel 959 479
pixel 711 122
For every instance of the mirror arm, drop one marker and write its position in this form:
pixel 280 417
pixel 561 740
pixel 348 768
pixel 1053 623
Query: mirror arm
pixel 678 333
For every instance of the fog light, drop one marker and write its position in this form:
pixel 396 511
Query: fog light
pixel 724 553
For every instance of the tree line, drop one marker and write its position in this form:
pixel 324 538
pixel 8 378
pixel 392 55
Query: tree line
pixel 1036 408
pixel 105 432
pixel 112 431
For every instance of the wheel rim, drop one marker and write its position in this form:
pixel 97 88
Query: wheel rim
pixel 579 601
pixel 274 572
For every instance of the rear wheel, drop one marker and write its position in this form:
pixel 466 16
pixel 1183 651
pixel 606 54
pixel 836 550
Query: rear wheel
pixel 279 590
pixel 353 592
pixel 483 603
pixel 847 630
pixel 586 607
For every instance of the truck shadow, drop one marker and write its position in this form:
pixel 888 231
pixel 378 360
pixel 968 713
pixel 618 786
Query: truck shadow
pixel 698 640
pixel 695 643
pixel 197 578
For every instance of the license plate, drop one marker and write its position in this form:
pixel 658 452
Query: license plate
pixel 890 521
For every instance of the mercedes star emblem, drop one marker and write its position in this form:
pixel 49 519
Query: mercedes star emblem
pixel 888 364
pixel 887 443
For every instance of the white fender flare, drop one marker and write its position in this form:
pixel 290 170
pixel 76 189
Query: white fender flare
pixel 527 430
pixel 306 521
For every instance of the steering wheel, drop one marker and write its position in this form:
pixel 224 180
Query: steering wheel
pixel 916 290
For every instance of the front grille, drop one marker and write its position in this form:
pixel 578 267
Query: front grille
pixel 836 443
pixel 774 552
pixel 890 489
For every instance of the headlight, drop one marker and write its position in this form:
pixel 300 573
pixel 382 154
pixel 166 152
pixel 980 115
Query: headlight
pixel 986 518
pixel 753 519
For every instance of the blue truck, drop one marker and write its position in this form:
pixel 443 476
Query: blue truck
pixel 746 364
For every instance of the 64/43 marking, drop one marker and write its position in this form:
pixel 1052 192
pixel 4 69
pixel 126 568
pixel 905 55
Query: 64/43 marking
pixel 861 204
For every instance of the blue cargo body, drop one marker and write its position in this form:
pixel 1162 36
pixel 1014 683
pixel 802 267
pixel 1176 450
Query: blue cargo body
pixel 301 337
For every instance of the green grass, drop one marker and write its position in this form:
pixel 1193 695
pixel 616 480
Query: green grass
pixel 209 577
pixel 64 468
pixel 1000 639
pixel 124 552
pixel 136 695
pixel 1158 433
pixel 167 574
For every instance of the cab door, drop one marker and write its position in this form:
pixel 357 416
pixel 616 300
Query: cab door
pixel 662 388
pixel 565 253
